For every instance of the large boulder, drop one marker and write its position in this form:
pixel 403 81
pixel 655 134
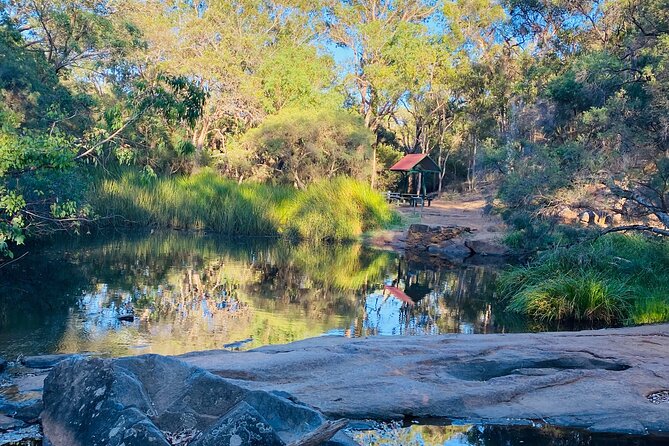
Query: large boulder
pixel 134 401
pixel 421 236
pixel 242 425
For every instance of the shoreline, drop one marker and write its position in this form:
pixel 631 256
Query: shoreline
pixel 602 378
pixel 600 381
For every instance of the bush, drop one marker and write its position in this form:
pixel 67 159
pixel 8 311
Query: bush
pixel 581 296
pixel 338 210
pixel 614 279
pixel 299 146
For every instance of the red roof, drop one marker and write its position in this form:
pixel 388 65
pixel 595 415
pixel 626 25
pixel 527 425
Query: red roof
pixel 409 162
pixel 399 294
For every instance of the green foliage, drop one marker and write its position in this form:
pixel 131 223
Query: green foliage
pixel 149 123
pixel 386 156
pixel 530 234
pixel 32 92
pixel 300 146
pixel 584 296
pixel 614 279
pixel 297 76
pixel 32 159
pixel 11 221
pixel 340 209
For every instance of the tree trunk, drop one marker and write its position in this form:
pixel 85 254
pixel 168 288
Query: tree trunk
pixel 373 181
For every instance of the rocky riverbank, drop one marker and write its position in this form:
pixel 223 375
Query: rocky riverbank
pixel 449 230
pixel 613 380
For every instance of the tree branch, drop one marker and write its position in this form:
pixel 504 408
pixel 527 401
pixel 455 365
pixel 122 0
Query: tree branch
pixel 646 228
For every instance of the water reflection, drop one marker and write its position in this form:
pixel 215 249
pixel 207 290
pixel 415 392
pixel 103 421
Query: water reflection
pixel 174 292
pixel 453 435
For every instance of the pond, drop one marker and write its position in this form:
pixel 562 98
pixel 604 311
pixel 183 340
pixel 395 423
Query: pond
pixel 189 292
pixel 175 292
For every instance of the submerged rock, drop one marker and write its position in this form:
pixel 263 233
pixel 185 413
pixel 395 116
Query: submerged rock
pixel 27 410
pixel 132 401
pixel 7 423
pixel 30 435
pixel 44 361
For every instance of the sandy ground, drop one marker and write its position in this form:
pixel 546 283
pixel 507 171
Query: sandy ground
pixel 466 210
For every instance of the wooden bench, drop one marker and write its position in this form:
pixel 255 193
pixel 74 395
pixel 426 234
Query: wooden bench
pixel 431 196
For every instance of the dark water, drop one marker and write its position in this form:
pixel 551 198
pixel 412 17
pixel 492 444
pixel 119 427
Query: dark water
pixel 194 292
pixel 473 435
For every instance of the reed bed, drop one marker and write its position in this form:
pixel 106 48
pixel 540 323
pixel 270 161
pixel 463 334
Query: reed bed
pixel 339 209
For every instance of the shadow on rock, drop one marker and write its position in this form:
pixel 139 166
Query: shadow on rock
pixel 145 400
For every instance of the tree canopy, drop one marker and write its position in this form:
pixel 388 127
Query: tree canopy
pixel 546 94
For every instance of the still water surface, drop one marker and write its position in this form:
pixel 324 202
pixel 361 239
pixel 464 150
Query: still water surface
pixel 477 435
pixel 193 292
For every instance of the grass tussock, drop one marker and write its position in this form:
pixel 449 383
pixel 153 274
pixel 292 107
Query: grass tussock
pixel 341 209
pixel 616 279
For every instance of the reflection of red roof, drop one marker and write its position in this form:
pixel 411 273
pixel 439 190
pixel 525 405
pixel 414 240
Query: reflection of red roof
pixel 399 294
pixel 409 162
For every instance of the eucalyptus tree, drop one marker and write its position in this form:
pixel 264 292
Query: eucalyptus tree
pixel 70 33
pixel 252 56
pixel 378 35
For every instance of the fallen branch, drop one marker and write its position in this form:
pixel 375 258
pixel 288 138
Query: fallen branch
pixel 325 432
pixel 2 265
pixel 658 231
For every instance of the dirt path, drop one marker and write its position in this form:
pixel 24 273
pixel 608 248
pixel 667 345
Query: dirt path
pixel 466 210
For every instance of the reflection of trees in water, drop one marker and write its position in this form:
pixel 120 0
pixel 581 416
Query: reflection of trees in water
pixel 393 434
pixel 36 294
pixel 192 292
pixel 551 436
pixel 446 300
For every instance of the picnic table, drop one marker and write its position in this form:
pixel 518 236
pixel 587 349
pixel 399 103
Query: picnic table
pixel 413 199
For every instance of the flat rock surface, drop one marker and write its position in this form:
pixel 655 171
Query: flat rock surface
pixel 598 380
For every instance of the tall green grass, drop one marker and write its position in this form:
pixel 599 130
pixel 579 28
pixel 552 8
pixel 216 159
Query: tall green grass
pixel 616 279
pixel 340 209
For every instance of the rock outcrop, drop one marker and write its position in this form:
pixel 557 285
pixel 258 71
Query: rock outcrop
pixel 614 380
pixel 136 401
pixel 441 241
pixel 600 380
pixel 487 247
